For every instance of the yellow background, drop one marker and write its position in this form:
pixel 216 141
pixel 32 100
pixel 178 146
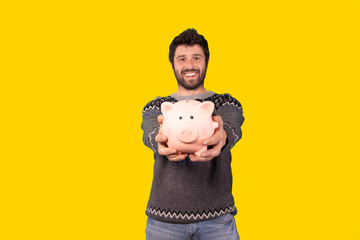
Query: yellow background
pixel 75 76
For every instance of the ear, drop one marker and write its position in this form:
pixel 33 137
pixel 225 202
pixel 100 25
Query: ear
pixel 166 107
pixel 207 106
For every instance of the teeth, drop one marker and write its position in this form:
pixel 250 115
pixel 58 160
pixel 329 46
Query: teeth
pixel 190 74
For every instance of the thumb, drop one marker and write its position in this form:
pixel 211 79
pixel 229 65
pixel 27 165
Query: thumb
pixel 160 119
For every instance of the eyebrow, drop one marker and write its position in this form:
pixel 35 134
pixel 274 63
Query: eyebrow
pixel 180 56
pixel 196 54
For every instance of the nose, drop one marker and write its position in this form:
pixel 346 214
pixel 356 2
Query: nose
pixel 190 64
pixel 187 133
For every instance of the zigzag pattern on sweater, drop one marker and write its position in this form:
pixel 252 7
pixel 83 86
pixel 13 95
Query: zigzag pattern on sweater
pixel 191 216
pixel 224 99
pixel 153 107
pixel 150 139
pixel 156 103
pixel 233 104
pixel 233 132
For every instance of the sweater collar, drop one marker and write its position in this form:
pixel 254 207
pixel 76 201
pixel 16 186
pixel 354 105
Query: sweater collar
pixel 193 97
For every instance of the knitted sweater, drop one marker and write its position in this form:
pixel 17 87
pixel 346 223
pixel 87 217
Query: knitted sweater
pixel 186 191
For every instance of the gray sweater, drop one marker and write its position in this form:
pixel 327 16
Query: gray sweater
pixel 186 191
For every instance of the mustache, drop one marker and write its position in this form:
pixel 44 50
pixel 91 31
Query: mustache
pixel 190 70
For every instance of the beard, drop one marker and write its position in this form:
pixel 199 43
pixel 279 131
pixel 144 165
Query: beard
pixel 192 84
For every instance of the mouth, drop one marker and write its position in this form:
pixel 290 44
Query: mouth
pixel 190 74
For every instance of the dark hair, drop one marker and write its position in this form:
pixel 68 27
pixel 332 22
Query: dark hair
pixel 189 37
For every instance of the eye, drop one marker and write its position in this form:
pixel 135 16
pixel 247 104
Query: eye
pixel 181 59
pixel 180 117
pixel 191 117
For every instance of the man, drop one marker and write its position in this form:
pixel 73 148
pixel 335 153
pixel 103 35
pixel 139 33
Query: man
pixel 191 196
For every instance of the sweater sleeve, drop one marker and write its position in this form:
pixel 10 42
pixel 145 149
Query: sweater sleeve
pixel 231 113
pixel 150 125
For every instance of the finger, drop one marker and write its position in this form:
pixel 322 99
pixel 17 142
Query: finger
pixel 165 151
pixel 161 138
pixel 213 140
pixel 211 153
pixel 195 158
pixel 218 119
pixel 175 158
pixel 160 119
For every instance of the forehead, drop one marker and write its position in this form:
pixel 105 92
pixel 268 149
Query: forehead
pixel 189 50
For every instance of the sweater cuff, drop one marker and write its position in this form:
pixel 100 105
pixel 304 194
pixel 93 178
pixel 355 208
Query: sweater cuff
pixel 232 137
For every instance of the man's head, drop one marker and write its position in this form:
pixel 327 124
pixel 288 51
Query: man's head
pixel 189 57
pixel 189 37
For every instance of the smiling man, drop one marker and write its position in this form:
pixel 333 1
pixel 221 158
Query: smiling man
pixel 189 67
pixel 191 196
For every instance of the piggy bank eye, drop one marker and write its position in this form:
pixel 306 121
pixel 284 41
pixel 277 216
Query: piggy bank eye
pixel 191 117
pixel 180 117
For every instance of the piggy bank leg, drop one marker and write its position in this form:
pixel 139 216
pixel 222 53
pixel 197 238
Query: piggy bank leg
pixel 203 149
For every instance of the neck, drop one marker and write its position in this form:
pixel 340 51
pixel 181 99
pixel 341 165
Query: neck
pixel 185 92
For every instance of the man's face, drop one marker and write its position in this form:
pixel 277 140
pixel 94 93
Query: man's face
pixel 189 66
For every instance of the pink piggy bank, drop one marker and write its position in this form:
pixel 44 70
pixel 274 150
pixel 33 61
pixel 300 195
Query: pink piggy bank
pixel 187 123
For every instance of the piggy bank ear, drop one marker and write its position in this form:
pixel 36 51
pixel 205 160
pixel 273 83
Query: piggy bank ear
pixel 166 107
pixel 207 106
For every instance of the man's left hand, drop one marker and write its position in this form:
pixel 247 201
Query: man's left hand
pixel 215 142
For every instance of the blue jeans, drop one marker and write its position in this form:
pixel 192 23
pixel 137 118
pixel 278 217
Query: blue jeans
pixel 221 228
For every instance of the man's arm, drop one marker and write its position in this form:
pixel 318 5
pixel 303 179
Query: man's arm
pixel 150 125
pixel 152 136
pixel 229 115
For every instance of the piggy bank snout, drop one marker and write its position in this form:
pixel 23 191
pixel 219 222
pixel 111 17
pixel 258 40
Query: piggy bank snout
pixel 187 133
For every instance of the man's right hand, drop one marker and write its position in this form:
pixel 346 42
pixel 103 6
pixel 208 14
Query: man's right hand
pixel 171 153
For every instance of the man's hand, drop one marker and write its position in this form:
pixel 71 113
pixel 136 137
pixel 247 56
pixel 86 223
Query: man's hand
pixel 171 153
pixel 215 142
